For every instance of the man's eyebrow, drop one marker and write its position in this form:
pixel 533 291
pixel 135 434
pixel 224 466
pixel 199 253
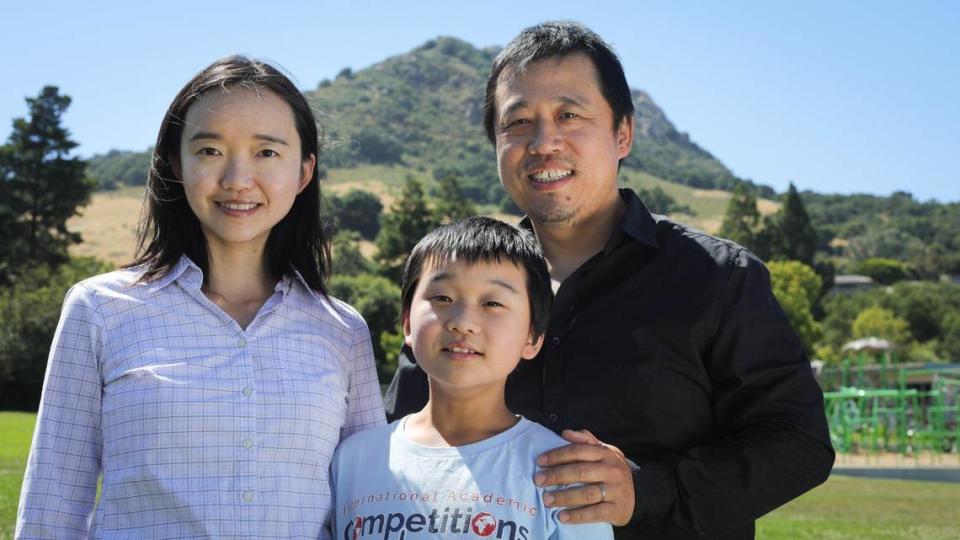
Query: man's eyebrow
pixel 208 135
pixel 510 109
pixel 578 101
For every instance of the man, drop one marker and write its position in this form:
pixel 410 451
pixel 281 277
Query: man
pixel 665 343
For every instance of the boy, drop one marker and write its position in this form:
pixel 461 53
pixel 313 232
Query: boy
pixel 476 296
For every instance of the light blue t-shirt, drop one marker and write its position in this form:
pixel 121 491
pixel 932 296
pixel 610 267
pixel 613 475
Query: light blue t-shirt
pixel 387 487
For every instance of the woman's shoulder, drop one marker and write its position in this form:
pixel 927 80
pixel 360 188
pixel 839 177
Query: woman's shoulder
pixel 123 280
pixel 329 310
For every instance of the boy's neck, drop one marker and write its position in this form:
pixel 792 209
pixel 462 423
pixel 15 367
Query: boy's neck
pixel 445 422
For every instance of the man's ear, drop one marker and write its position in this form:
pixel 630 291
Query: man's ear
pixel 624 137
pixel 532 346
pixel 405 323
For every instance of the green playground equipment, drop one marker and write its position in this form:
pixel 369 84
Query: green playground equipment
pixel 881 407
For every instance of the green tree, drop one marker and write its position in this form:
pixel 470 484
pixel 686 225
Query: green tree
pixel 797 288
pixel 408 221
pixel 883 271
pixel 29 311
pixel 358 211
pixel 451 204
pixel 876 321
pixel 347 258
pixel 42 186
pixel 378 300
pixel 657 200
pixel 741 222
pixel 790 232
pixel 949 347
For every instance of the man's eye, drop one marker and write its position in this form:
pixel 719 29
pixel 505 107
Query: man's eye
pixel 516 123
pixel 569 115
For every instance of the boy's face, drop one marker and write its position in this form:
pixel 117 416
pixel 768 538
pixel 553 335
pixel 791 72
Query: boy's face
pixel 469 324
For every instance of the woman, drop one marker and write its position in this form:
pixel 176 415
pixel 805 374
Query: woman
pixel 210 380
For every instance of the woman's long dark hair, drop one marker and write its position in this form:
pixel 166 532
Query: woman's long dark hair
pixel 168 227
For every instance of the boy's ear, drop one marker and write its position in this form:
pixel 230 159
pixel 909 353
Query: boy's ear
pixel 532 347
pixel 405 323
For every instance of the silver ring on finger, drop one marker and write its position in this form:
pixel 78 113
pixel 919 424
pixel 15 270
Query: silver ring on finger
pixel 603 492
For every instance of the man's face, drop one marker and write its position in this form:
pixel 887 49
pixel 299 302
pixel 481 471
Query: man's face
pixel 557 151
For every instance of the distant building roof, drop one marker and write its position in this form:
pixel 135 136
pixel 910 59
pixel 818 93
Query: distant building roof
pixel 868 344
pixel 852 279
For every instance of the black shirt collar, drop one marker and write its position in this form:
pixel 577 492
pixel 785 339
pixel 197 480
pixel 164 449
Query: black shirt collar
pixel 637 223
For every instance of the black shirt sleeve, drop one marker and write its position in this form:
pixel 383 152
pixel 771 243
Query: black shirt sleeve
pixel 772 443
pixel 408 391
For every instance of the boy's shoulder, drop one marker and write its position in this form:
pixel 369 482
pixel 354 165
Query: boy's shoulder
pixel 366 439
pixel 538 438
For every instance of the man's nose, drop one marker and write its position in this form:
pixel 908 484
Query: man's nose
pixel 546 139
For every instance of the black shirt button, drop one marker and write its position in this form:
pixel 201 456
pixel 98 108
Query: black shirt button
pixel 552 417
pixel 555 341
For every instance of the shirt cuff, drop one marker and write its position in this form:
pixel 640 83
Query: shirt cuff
pixel 654 491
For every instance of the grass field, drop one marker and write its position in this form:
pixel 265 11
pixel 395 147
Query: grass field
pixel 16 430
pixel 842 509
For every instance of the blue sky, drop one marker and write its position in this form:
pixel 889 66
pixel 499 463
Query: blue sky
pixel 836 97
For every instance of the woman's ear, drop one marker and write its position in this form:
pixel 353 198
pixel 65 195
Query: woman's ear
pixel 306 172
pixel 176 167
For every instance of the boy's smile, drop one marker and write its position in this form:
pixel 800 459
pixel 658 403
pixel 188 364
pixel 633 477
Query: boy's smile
pixel 469 325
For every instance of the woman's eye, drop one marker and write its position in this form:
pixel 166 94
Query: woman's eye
pixel 207 151
pixel 440 298
pixel 492 303
pixel 268 153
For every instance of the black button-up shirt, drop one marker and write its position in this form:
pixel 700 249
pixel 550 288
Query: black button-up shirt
pixel 670 345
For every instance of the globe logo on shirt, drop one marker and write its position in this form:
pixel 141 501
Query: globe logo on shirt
pixel 357 528
pixel 483 524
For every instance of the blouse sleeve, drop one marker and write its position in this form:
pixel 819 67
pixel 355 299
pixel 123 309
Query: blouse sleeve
pixel 364 404
pixel 60 483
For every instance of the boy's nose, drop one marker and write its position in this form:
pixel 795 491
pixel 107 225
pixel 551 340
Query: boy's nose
pixel 462 322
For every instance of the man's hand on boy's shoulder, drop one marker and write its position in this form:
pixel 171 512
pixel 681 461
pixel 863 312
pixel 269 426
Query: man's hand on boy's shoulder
pixel 607 492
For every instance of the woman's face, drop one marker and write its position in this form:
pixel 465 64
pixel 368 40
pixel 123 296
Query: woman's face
pixel 241 166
